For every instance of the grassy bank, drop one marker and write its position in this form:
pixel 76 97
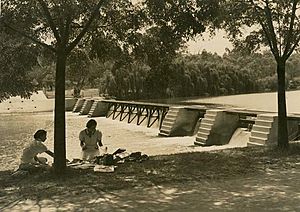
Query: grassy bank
pixel 158 170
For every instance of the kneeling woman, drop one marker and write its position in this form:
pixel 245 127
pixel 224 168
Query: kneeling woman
pixel 90 140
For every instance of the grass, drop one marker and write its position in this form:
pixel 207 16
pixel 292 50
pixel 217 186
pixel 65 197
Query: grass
pixel 215 165
pixel 174 169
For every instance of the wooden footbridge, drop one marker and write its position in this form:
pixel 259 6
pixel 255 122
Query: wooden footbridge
pixel 138 112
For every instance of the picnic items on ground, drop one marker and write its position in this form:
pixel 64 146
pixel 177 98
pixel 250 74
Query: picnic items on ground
pixel 107 162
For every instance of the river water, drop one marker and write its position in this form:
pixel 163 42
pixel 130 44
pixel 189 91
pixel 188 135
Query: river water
pixel 257 101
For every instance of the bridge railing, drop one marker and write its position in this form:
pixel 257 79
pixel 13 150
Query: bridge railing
pixel 140 112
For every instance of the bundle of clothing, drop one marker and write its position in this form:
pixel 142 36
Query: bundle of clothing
pixel 108 162
pixel 120 156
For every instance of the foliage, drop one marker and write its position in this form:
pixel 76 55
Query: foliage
pixel 17 57
pixel 65 23
pixel 43 72
pixel 168 25
pixel 272 23
pixel 78 69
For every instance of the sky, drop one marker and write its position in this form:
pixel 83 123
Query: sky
pixel 217 44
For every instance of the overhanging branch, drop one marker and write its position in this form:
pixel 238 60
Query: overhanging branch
pixel 270 24
pixel 50 20
pixel 268 36
pixel 86 27
pixel 29 37
pixel 293 48
pixel 290 32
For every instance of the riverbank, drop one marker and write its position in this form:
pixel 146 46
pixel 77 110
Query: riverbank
pixel 198 179
pixel 18 129
pixel 247 179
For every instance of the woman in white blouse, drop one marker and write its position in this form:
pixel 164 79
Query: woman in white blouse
pixel 90 140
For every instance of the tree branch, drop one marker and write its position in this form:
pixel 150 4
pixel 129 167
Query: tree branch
pixel 66 32
pixel 50 20
pixel 290 32
pixel 29 37
pixel 293 48
pixel 256 7
pixel 270 24
pixel 77 26
pixel 86 27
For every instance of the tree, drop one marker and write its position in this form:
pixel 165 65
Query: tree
pixel 273 23
pixel 16 58
pixel 293 66
pixel 43 73
pixel 78 69
pixel 65 23
pixel 168 25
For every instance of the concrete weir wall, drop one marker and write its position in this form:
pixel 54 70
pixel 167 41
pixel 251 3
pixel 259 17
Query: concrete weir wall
pixel 70 103
pixel 216 128
pixel 38 102
pixel 213 126
pixel 78 105
pixel 265 129
pixel 224 127
pixel 293 128
pixel 86 107
pixel 99 108
pixel 185 122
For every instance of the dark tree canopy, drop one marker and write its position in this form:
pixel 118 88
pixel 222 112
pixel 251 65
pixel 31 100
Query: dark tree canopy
pixel 17 58
pixel 64 24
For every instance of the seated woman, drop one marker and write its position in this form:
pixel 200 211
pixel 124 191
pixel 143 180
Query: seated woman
pixel 90 141
pixel 30 157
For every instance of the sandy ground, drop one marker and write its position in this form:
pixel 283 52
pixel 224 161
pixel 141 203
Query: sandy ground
pixel 17 130
pixel 274 190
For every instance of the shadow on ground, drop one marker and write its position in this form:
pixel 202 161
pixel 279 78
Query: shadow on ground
pixel 164 184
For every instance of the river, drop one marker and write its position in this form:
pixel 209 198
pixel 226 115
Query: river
pixel 256 101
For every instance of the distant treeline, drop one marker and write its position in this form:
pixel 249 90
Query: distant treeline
pixel 180 75
pixel 204 74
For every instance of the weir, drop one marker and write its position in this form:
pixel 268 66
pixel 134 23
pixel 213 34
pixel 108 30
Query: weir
pixel 210 126
pixel 131 112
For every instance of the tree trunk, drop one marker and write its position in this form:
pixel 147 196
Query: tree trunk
pixel 282 116
pixel 59 115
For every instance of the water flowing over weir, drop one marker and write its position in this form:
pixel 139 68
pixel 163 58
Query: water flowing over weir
pixel 212 126
pixel 240 137
pixel 209 125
